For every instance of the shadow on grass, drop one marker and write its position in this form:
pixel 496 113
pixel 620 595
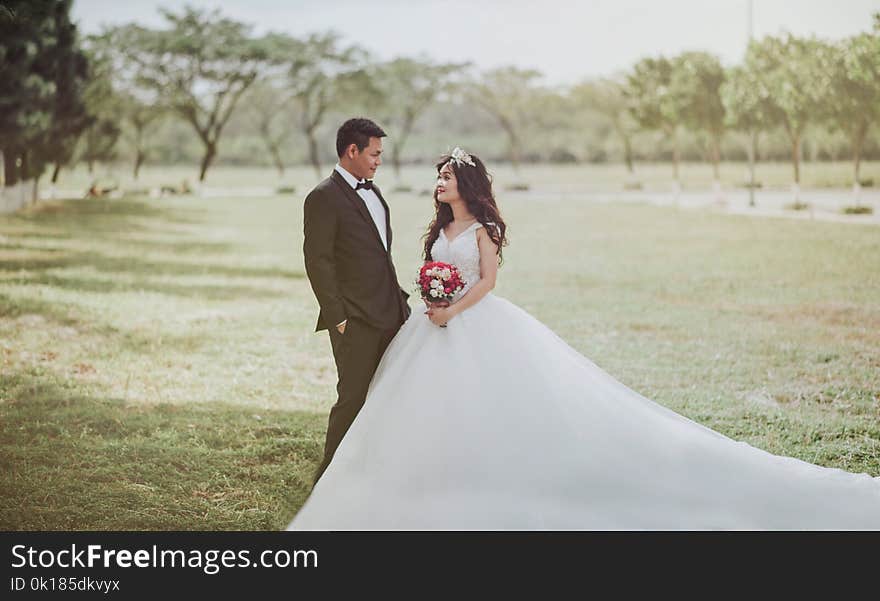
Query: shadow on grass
pixel 73 461
pixel 106 220
pixel 62 258
pixel 211 292
pixel 109 220
pixel 76 211
pixel 100 219
pixel 12 308
pixel 37 313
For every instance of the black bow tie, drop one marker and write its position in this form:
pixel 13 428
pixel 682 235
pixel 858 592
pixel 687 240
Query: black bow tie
pixel 367 184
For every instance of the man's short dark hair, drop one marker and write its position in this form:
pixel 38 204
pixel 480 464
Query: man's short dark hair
pixel 357 131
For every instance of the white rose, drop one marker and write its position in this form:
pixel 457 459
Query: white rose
pixel 434 292
pixel 447 274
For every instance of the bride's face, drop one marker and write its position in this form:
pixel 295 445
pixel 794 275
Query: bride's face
pixel 446 189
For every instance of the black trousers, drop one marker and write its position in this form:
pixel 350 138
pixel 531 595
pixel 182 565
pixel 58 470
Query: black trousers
pixel 357 353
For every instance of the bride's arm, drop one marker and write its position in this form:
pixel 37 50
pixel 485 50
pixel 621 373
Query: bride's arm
pixel 488 273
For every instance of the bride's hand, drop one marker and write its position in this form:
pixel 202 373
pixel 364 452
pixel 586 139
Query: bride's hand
pixel 439 315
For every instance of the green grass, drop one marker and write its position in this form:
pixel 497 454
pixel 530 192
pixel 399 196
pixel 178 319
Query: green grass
pixel 158 368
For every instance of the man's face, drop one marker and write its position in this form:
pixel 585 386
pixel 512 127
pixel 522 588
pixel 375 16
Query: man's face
pixel 365 162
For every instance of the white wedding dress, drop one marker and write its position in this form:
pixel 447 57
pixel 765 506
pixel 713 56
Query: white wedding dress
pixel 495 423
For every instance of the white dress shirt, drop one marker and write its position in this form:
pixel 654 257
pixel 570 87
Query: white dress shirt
pixel 374 206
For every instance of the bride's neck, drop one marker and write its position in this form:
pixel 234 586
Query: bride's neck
pixel 460 212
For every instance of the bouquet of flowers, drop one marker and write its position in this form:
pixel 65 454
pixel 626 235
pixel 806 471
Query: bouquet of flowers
pixel 439 282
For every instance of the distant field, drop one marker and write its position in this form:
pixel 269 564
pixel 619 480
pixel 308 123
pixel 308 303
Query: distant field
pixel 158 368
pixel 694 176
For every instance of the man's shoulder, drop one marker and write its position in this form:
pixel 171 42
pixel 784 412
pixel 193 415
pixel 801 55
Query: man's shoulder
pixel 325 186
pixel 326 189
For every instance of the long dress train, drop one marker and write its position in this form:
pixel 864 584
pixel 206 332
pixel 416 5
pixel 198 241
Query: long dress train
pixel 495 423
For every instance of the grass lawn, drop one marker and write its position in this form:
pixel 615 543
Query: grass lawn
pixel 158 368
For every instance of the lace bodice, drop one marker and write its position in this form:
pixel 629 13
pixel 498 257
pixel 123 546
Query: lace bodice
pixel 463 252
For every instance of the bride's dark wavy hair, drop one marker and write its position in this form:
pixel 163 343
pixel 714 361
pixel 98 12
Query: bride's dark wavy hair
pixel 475 187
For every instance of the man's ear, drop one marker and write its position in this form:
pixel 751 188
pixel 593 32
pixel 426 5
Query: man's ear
pixel 351 151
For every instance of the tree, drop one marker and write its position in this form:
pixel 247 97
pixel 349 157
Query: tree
pixel 608 97
pixel 102 105
pixel 200 66
pixel 508 94
pixel 653 103
pixel 23 92
pixel 43 73
pixel 141 119
pixel 696 82
pixel 139 106
pixel 409 86
pixel 750 109
pixel 321 75
pixel 789 69
pixel 269 101
pixel 267 105
pixel 73 73
pixel 852 103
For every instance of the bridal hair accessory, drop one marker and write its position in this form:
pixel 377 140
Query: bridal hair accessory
pixel 460 156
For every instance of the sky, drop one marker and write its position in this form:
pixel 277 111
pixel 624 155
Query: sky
pixel 567 40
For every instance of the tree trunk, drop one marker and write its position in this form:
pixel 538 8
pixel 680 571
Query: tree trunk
pixel 514 152
pixel 10 167
pixel 676 157
pixel 752 149
pixel 313 152
pixel 55 172
pixel 276 158
pixel 210 152
pixel 139 157
pixel 397 149
pixel 716 158
pixel 858 143
pixel 271 145
pixel 35 196
pixel 513 148
pixel 628 153
pixel 512 141
pixel 715 150
pixel 91 165
pixel 395 160
pixel 796 161
pixel 24 170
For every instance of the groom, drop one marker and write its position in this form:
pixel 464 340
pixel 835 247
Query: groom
pixel 347 251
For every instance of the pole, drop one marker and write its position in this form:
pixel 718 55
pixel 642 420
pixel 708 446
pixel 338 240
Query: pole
pixel 752 134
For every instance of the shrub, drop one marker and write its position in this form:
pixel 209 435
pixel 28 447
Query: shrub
pixel 859 210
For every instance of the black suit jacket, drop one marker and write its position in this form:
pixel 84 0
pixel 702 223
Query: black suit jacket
pixel 348 267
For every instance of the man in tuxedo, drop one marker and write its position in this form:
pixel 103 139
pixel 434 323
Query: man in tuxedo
pixel 347 251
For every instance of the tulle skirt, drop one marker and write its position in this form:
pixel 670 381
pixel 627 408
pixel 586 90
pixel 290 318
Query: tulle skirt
pixel 495 423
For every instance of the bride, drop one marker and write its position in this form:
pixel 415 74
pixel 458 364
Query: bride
pixel 495 423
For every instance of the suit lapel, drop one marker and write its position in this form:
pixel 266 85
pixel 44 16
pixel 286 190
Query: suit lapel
pixel 387 215
pixel 359 205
